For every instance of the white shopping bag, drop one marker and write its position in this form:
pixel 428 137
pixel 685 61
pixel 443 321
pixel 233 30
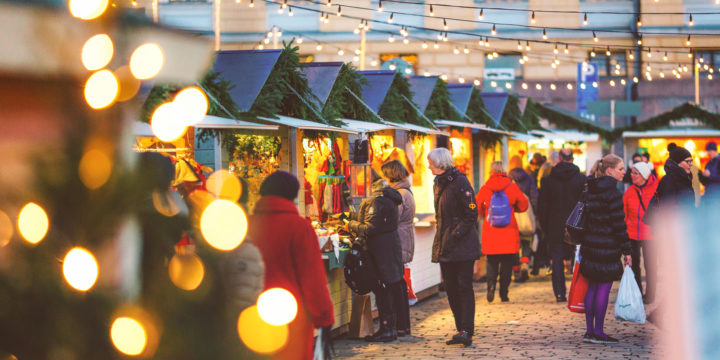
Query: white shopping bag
pixel 319 346
pixel 629 303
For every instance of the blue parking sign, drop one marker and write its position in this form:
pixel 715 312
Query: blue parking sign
pixel 587 88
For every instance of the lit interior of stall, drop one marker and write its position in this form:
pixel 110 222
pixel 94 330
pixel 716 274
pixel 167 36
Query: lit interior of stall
pixel 547 146
pixel 657 149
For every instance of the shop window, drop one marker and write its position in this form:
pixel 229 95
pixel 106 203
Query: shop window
pixel 609 66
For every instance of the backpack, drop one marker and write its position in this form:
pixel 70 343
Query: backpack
pixel 499 211
pixel 360 274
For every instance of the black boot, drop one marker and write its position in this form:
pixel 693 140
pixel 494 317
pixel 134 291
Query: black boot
pixel 381 330
pixel 490 291
pixel 389 333
pixel 462 337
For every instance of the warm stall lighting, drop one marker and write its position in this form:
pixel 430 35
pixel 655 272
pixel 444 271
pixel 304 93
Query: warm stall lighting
pixel 87 9
pixel 6 229
pixel 224 224
pixel 192 104
pixel 129 336
pixel 95 168
pixel 224 185
pixel 165 123
pixel 97 52
pixel 33 223
pixel 258 335
pixel 80 269
pixel 101 89
pixel 277 306
pixel 146 61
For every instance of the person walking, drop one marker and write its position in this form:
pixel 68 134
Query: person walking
pixel 559 193
pixel 604 240
pixel 376 226
pixel 710 177
pixel 292 258
pixel 540 251
pixel 456 245
pixel 528 186
pixel 636 200
pixel 499 199
pixel 399 179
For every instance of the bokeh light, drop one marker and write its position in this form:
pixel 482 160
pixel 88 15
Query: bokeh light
pixel 225 185
pixel 164 203
pixel 258 335
pixel 146 61
pixel 97 52
pixel 165 123
pixel 80 269
pixel 223 224
pixel 277 306
pixel 87 9
pixel 6 229
pixel 101 89
pixel 192 104
pixel 186 270
pixel 128 335
pixel 95 168
pixel 33 223
pixel 129 85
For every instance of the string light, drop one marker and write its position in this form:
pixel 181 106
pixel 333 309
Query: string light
pixel 519 45
pixel 424 45
pixel 436 46
pixel 538 86
pixel 390 19
pixel 544 34
pixel 631 55
pixel 649 53
pixel 339 11
pixel 432 12
pixel 284 4
pixel 555 50
pixel 319 47
pixel 532 18
pixel 252 4
pixel 391 38
pixel 300 40
pixel 662 75
pixel 494 30
pixel 635 79
pixel 690 21
pixel 639 21
pixel 569 86
pixel 329 3
pixel 607 52
pixel 688 42
pixel 445 25
pixel 585 20
pixel 487 42
pixel 380 8
pixel 592 53
pixel 639 40
pixel 406 41
pixel 553 87
pixel 290 12
pixel 690 54
pixel 623 82
pixel 466 50
pixel 476 82
pixel 567 49
pixel 665 57
pixel 508 85
pixel 527 46
pixel 524 86
pixel 595 37
pixel 480 15
pixel 341 52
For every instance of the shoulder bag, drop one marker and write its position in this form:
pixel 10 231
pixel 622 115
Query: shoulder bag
pixel 575 224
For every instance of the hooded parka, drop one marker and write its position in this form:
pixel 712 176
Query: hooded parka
pixel 456 237
pixel 559 193
pixel 406 216
pixel 527 185
pixel 501 240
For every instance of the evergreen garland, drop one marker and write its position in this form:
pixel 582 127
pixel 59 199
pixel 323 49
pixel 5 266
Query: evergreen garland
pixel 395 108
pixel 567 122
pixel 476 112
pixel 342 104
pixel 439 106
pixel 512 117
pixel 686 110
pixel 530 116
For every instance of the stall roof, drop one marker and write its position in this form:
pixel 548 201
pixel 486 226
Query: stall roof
pixel 684 132
pixel 247 70
pixel 422 129
pixel 321 78
pixel 460 96
pixel 481 127
pixel 304 124
pixel 523 137
pixel 422 88
pixel 495 104
pixel 379 82
pixel 216 122
pixel 366 127
pixel 567 135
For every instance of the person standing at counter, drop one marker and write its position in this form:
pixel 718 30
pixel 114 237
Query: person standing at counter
pixel 399 179
pixel 293 261
pixel 456 245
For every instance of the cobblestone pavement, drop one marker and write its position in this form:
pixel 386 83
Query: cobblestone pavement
pixel 531 326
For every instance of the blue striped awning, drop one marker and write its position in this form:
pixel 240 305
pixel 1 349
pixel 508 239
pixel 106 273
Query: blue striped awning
pixel 374 92
pixel 422 88
pixel 247 70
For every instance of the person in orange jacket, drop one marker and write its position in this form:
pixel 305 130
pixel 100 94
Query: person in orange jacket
pixel 500 243
pixel 293 261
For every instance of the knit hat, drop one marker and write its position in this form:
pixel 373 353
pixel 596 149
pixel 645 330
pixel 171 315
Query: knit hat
pixel 678 153
pixel 643 168
pixel 280 183
pixel 711 146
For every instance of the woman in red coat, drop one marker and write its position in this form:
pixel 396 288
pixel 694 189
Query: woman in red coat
pixel 636 200
pixel 292 257
pixel 500 243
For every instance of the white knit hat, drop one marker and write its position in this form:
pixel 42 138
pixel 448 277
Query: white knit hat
pixel 643 168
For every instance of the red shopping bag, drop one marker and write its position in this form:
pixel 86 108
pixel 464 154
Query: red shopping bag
pixel 578 288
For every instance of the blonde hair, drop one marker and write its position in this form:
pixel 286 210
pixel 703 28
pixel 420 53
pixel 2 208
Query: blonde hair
pixel 441 158
pixel 609 161
pixel 497 167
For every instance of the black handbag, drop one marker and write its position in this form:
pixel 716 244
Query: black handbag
pixel 360 273
pixel 575 224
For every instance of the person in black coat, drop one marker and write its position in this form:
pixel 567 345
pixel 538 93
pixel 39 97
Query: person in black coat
pixel 676 186
pixel 559 193
pixel 605 239
pixel 528 186
pixel 375 225
pixel 456 245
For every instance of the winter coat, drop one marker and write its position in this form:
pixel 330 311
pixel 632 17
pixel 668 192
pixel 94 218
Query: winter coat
pixel 456 237
pixel 376 225
pixel 293 261
pixel 605 237
pixel 634 210
pixel 501 240
pixel 712 182
pixel 559 193
pixel 675 187
pixel 526 184
pixel 406 217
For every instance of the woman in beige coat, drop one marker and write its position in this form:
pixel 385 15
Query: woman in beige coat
pixel 399 179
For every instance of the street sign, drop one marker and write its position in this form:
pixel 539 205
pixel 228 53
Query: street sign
pixel 622 108
pixel 587 82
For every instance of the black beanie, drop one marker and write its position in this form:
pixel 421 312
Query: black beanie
pixel 280 183
pixel 678 153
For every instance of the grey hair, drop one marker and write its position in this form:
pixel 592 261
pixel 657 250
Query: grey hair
pixel 497 167
pixel 441 158
pixel 554 157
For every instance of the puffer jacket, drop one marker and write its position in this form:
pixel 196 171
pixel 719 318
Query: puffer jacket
pixel 501 240
pixel 406 216
pixel 634 210
pixel 605 238
pixel 456 237
pixel 376 225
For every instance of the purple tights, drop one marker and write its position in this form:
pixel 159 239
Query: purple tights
pixel 596 303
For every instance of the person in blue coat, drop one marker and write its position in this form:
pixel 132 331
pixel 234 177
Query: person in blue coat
pixel 711 176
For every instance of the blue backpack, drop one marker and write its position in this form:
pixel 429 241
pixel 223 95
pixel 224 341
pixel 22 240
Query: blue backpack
pixel 499 211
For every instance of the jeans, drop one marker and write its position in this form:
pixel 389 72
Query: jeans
pixel 459 287
pixel 504 263
pixel 560 251
pixel 650 262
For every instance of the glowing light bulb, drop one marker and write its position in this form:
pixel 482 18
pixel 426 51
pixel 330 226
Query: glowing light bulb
pixel 277 306
pixel 223 224
pixel 258 335
pixel 585 20
pixel 80 269
pixel 192 105
pixel 95 168
pixel 166 124
pixel 569 86
pixel 97 52
pixel 101 89
pixel 87 9
pixel 128 336
pixel 33 223
pixel 532 17
pixel 147 61
pixel 524 86
pixel 481 14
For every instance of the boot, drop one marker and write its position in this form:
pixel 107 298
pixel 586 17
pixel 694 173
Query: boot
pixel 491 290
pixel 462 337
pixel 388 334
pixel 381 330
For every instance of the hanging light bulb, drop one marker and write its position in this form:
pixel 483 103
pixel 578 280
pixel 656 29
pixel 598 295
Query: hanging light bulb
pixel 261 46
pixel 607 52
pixel 648 68
pixel 329 3
pixel 391 38
pixel 519 45
pixel 553 87
pixel 710 76
pixel 585 20
pixel 466 50
pixel 432 12
pixel 445 25
pixel 635 79
pixel 487 42
pixel 690 54
pixel 424 45
pixel 319 47
pixel 555 50
pixel 665 57
pixel 569 86
pixel 595 38
pixel 339 11
pixel 612 83
pixel 553 65
pixel 639 21
pixel 521 61
pixel 639 40
pixel 390 19
pixel 623 82
pixel 356 31
pixel 406 41
pixel 524 86
pixel 631 55
pixel 495 54
pixel 532 17
pixel 284 4
pixel 380 8
pixel 252 4
pixel 476 82
pixel 436 46
pixel 290 12
pixel 649 53
pixel 527 46
pixel 592 53
pixel 300 40
pixel 567 50
pixel 341 52
pixel 445 37
pixel 461 80
pixel 494 30
pixel 440 35
pixel 480 14
pixel 662 75
pixel 538 86
pixel 544 34
pixel 688 42
pixel 690 21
